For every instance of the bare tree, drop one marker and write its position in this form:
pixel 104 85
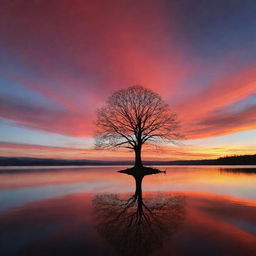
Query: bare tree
pixel 133 117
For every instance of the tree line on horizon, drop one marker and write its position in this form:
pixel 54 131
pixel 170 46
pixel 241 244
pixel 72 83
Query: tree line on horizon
pixel 226 160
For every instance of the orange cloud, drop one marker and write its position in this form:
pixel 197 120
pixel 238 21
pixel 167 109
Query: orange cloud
pixel 163 153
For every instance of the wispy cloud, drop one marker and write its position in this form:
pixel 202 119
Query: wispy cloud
pixel 76 54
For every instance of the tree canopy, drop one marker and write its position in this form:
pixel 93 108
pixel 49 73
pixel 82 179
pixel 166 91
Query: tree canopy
pixel 134 116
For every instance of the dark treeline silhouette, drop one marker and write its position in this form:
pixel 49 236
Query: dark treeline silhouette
pixel 237 160
pixel 227 160
pixel 138 225
pixel 27 161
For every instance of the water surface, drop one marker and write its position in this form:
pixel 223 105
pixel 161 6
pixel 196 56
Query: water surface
pixel 206 210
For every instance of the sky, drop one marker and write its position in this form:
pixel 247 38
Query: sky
pixel 61 59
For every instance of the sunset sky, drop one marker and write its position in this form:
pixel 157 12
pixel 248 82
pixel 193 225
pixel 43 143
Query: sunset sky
pixel 61 59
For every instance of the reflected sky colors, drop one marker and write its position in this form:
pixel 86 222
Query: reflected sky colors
pixel 23 185
pixel 52 211
pixel 59 60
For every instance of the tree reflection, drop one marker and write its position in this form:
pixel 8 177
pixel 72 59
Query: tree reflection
pixel 138 226
pixel 238 170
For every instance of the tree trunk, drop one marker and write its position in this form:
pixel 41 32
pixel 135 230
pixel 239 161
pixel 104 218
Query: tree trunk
pixel 138 193
pixel 138 162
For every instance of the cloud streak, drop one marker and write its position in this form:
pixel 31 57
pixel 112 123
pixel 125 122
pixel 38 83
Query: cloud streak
pixel 77 53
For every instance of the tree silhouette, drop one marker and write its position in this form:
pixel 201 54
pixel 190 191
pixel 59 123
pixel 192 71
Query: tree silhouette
pixel 136 226
pixel 133 117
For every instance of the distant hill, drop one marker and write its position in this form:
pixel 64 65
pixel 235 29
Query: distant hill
pixel 26 161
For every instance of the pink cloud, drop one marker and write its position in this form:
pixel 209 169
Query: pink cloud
pixel 41 118
pixel 205 114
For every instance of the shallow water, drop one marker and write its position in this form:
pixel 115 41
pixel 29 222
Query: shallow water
pixel 190 210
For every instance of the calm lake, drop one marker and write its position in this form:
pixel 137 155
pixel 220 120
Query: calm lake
pixel 189 210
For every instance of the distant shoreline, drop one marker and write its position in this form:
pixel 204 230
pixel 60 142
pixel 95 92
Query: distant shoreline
pixel 26 161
